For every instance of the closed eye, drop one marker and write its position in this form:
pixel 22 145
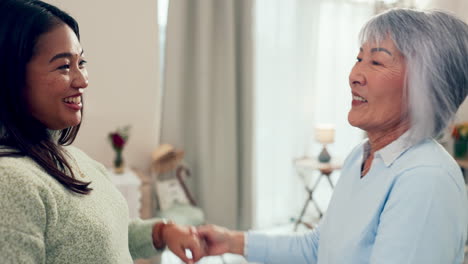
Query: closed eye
pixel 376 63
pixel 64 67
pixel 82 63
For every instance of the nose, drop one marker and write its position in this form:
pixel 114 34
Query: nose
pixel 356 76
pixel 80 79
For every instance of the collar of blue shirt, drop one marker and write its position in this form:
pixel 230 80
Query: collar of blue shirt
pixel 392 151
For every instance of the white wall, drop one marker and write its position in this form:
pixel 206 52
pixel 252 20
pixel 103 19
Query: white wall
pixel 121 45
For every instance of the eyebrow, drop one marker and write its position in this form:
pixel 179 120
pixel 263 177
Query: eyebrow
pixel 382 49
pixel 378 49
pixel 64 55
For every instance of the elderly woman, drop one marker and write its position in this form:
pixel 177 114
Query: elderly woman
pixel 401 197
pixel 57 205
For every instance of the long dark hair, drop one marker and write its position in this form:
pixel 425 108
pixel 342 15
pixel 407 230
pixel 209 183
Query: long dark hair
pixel 22 22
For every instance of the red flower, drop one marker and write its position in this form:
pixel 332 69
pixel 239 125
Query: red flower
pixel 119 138
pixel 117 141
pixel 455 133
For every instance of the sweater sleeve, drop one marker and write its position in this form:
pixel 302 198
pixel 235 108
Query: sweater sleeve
pixel 422 221
pixel 297 249
pixel 26 208
pixel 140 240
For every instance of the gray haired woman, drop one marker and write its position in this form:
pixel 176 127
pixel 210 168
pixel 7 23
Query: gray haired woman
pixel 401 197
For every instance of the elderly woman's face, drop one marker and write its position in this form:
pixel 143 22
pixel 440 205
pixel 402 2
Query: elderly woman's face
pixel 377 81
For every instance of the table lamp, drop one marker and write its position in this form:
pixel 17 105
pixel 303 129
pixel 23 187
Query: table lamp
pixel 324 134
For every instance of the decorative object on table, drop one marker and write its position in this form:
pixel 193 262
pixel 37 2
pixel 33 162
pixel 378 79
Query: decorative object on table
pixel 118 139
pixel 324 134
pixel 460 137
pixel 175 201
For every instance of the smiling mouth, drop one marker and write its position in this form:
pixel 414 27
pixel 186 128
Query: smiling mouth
pixel 359 98
pixel 72 100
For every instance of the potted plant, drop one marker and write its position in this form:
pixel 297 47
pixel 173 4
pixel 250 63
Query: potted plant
pixel 460 136
pixel 118 139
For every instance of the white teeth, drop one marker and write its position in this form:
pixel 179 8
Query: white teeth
pixel 73 100
pixel 359 98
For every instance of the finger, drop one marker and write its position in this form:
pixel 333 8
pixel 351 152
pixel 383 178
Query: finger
pixel 197 251
pixel 189 255
pixel 204 228
pixel 193 230
pixel 180 252
pixel 203 243
pixel 196 247
pixel 206 233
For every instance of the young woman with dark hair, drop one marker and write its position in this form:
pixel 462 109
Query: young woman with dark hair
pixel 58 205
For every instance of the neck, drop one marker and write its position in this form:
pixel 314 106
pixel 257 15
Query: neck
pixel 380 139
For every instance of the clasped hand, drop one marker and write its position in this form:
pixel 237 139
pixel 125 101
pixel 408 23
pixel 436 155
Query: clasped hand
pixel 208 240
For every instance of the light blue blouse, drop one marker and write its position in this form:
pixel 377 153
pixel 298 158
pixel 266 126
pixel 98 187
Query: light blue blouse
pixel 411 207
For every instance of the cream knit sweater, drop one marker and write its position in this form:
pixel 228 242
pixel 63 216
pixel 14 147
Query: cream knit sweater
pixel 42 222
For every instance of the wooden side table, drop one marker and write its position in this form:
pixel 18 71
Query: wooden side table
pixel 305 166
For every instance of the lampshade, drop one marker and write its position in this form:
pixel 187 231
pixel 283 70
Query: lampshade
pixel 325 133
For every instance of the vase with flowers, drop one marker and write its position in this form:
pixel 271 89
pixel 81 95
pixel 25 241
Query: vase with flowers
pixel 118 139
pixel 460 136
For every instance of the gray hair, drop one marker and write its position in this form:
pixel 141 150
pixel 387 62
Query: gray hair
pixel 435 47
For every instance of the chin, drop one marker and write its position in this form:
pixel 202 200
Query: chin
pixel 73 124
pixel 356 123
pixel 352 121
pixel 76 120
pixel 66 125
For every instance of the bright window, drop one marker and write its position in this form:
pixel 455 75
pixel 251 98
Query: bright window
pixel 304 53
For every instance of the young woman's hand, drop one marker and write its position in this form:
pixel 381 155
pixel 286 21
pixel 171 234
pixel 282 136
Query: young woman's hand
pixel 178 239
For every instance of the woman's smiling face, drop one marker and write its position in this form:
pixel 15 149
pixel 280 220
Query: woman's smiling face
pixel 56 78
pixel 377 83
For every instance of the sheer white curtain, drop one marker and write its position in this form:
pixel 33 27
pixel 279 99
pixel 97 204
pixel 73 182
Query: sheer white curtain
pixel 207 102
pixel 304 53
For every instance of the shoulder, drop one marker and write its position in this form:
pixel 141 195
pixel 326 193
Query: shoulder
pixel 429 163
pixel 426 153
pixel 428 181
pixel 27 195
pixel 23 176
pixel 19 170
pixel 426 173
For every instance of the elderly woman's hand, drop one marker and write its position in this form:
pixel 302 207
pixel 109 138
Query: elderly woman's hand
pixel 178 239
pixel 220 240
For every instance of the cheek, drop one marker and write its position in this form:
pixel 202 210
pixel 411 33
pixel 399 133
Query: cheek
pixel 42 92
pixel 51 86
pixel 389 84
pixel 398 91
pixel 54 86
pixel 387 93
